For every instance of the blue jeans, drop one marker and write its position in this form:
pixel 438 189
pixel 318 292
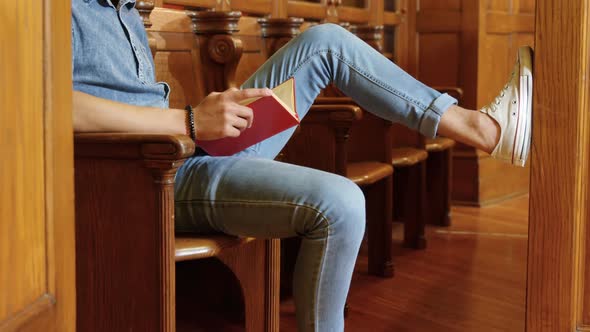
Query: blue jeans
pixel 249 194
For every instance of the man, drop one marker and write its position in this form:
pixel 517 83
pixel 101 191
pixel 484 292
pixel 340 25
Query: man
pixel 249 194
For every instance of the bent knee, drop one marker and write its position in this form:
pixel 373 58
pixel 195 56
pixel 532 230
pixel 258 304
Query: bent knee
pixel 326 32
pixel 341 204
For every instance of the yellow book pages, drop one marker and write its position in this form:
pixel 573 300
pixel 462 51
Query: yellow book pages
pixel 284 94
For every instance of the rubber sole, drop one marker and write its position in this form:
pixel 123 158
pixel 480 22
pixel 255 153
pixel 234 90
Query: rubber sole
pixel 523 124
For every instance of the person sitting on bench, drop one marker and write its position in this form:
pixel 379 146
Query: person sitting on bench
pixel 251 195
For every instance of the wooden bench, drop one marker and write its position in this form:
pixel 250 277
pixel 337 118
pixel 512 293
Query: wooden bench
pixel 127 248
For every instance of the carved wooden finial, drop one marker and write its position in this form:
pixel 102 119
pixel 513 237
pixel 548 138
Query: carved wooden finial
pixel 371 34
pixel 213 22
pixel 220 51
pixel 276 32
pixel 145 7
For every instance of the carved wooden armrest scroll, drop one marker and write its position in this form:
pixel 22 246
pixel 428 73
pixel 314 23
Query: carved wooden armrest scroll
pixel 220 51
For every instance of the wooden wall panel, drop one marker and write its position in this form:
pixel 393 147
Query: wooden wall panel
pixel 180 76
pixel 439 4
pixel 495 66
pixel 22 198
pixel 37 291
pixel 498 5
pixel 444 68
pixel 526 6
pixel 177 58
pixel 472 44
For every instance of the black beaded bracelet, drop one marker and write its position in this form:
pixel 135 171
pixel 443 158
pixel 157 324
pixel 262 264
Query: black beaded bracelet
pixel 191 122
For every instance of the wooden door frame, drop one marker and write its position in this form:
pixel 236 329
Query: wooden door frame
pixel 560 169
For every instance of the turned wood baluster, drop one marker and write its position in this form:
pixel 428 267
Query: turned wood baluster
pixel 145 7
pixel 371 34
pixel 220 50
pixel 164 173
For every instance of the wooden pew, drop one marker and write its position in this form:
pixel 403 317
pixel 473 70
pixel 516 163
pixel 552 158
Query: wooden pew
pixel 126 244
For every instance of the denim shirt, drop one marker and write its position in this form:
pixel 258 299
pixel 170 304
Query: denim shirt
pixel 110 54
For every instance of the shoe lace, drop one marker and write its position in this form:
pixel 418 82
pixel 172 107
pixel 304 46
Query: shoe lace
pixel 496 103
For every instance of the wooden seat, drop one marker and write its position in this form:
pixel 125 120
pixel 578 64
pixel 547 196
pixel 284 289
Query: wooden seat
pixel 367 172
pixel 407 156
pixel 189 247
pixel 439 144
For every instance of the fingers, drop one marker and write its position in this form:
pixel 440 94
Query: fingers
pixel 231 132
pixel 237 95
pixel 244 113
pixel 238 123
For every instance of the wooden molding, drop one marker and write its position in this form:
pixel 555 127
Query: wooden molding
pixel 500 23
pixel 354 15
pixel 390 18
pixel 276 32
pixel 192 3
pixel 259 7
pixel 314 11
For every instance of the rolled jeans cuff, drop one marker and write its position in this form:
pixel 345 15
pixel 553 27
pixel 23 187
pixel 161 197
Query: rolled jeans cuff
pixel 429 123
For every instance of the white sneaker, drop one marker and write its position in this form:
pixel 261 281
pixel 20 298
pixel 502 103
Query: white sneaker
pixel 512 109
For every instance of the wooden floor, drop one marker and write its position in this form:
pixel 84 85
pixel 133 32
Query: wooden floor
pixel 470 278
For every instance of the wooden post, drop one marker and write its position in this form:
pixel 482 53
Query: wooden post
pixel 558 296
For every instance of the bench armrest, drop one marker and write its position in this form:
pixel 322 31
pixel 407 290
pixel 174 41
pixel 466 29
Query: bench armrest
pixel 133 146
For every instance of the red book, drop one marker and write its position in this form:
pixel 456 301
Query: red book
pixel 272 115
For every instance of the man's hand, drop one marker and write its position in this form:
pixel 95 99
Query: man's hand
pixel 219 115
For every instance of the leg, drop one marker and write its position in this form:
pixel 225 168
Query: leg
pixel 472 128
pixel 330 54
pixel 263 198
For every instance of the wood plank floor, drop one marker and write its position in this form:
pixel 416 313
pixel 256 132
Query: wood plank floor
pixel 472 277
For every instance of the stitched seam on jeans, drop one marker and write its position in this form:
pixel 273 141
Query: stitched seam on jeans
pixel 321 271
pixel 274 203
pixel 282 205
pixel 370 78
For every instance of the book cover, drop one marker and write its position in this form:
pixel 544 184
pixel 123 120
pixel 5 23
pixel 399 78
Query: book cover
pixel 272 115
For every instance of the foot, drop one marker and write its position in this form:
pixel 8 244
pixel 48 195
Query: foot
pixel 512 110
